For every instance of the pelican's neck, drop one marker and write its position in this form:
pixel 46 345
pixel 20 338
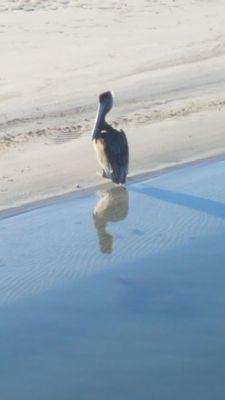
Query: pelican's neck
pixel 100 122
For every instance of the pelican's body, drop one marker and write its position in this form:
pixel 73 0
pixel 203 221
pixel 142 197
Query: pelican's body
pixel 110 144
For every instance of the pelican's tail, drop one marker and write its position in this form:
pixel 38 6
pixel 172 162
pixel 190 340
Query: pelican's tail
pixel 119 174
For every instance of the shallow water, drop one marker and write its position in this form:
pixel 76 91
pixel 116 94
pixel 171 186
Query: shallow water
pixel 118 296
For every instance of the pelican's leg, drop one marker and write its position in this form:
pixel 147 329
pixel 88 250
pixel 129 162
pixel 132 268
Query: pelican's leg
pixel 103 174
pixel 106 174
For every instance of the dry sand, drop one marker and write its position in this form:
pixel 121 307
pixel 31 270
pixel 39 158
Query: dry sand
pixel 164 61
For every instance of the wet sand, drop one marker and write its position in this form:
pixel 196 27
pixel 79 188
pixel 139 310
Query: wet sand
pixel 41 171
pixel 120 284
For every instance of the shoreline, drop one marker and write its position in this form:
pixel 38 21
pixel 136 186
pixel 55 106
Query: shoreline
pixel 88 191
pixel 41 170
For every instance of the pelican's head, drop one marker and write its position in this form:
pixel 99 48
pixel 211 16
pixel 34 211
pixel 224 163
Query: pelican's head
pixel 106 102
pixel 105 105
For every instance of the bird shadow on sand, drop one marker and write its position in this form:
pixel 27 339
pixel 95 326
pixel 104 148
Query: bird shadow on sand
pixel 211 207
pixel 112 207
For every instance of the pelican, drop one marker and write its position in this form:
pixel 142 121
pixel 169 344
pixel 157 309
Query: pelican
pixel 110 144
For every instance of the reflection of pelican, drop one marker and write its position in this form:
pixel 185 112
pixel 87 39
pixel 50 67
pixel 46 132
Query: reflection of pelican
pixel 110 144
pixel 112 207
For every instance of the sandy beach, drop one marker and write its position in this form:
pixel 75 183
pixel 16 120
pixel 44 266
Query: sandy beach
pixel 164 61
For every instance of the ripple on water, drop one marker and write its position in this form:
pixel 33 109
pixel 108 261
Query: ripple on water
pixel 121 227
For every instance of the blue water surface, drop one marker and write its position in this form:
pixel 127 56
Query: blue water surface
pixel 117 295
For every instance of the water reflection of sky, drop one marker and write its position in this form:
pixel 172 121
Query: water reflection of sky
pixel 56 244
pixel 138 316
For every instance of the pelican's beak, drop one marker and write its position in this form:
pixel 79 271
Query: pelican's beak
pixel 99 117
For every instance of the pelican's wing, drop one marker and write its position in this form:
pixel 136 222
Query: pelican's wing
pixel 117 152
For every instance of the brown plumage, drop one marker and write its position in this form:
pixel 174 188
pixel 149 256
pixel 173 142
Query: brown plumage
pixel 110 144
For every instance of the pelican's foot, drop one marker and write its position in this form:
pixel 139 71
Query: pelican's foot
pixel 103 174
